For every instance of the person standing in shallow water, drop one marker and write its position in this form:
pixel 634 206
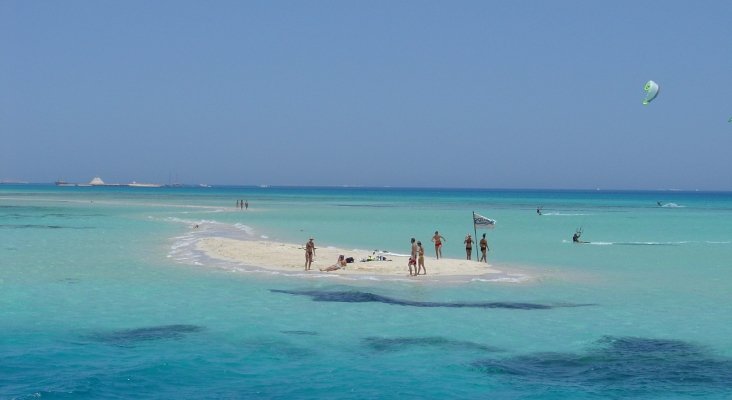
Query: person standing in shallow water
pixel 309 254
pixel 246 205
pixel 484 249
pixel 469 246
pixel 438 239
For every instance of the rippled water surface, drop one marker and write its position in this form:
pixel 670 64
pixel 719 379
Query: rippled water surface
pixel 104 295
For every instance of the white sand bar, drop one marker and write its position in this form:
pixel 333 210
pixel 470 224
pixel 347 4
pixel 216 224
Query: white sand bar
pixel 291 257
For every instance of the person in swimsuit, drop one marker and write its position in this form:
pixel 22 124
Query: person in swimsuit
pixel 340 263
pixel 438 239
pixel 420 262
pixel 469 246
pixel 309 254
pixel 484 249
pixel 413 258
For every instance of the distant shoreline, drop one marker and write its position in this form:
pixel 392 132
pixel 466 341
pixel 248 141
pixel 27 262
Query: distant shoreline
pixel 396 188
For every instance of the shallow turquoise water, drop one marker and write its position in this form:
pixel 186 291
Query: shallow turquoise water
pixel 103 296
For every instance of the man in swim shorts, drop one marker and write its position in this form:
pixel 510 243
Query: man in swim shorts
pixel 413 258
pixel 438 239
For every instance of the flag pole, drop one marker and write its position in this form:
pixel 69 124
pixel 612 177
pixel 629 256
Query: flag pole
pixel 475 232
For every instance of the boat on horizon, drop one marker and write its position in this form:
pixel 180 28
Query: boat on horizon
pixel 62 182
pixel 147 185
pixel 97 181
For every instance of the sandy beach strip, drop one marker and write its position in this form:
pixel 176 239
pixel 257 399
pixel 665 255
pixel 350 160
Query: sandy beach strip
pixel 291 258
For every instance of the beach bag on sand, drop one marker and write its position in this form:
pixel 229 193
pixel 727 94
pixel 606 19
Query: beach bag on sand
pixel 349 260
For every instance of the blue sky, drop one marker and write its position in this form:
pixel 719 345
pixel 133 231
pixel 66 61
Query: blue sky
pixel 509 94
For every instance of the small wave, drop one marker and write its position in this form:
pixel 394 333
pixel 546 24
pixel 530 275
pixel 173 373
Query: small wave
pixel 190 222
pixel 183 249
pixel 559 214
pixel 502 279
pixel 637 243
pixel 676 243
pixel 395 254
pixel 246 228
pixel 672 205
pixel 212 227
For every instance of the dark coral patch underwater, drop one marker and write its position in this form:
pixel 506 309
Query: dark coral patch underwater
pixel 402 343
pixel 131 336
pixel 366 297
pixel 621 366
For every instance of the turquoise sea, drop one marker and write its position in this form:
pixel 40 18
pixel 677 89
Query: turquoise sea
pixel 103 295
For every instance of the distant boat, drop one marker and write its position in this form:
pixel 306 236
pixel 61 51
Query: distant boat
pixel 62 182
pixel 204 185
pixel 147 185
pixel 97 181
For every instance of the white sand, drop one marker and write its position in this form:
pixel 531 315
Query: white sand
pixel 291 257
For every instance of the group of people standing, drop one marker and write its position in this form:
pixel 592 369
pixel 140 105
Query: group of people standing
pixel 438 239
pixel 416 258
pixel 469 248
pixel 242 204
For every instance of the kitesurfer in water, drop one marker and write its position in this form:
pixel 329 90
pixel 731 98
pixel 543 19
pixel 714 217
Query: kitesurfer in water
pixel 576 236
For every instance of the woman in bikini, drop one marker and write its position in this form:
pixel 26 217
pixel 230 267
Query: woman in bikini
pixel 309 254
pixel 438 239
pixel 341 263
pixel 469 246
pixel 484 249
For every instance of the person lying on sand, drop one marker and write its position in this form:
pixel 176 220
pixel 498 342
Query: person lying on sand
pixel 341 263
